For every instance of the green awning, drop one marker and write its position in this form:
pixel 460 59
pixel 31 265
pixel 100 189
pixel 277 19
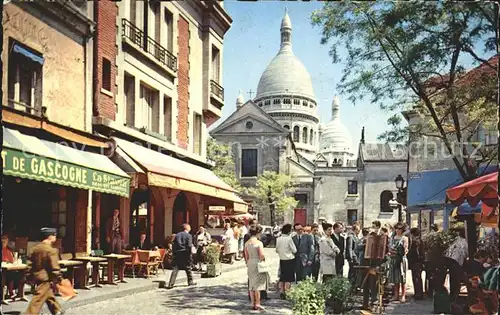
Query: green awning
pixel 32 158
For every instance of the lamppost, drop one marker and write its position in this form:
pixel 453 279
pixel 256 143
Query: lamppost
pixel 272 205
pixel 401 195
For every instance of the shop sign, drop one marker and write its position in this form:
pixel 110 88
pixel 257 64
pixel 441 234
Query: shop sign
pixel 216 208
pixel 27 165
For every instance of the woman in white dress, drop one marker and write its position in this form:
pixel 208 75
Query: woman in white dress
pixel 230 243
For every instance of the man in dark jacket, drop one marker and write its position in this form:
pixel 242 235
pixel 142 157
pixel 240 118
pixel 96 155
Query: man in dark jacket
pixel 144 243
pixel 182 252
pixel 304 257
pixel 339 241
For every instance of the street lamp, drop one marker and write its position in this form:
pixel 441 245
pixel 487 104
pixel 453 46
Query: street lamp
pixel 400 200
pixel 271 205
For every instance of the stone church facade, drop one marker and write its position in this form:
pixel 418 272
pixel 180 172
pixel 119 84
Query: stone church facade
pixel 279 130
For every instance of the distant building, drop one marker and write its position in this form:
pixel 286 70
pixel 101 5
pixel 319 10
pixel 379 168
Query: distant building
pixel 279 130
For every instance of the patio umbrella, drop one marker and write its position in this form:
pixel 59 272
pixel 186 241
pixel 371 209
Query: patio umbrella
pixel 482 189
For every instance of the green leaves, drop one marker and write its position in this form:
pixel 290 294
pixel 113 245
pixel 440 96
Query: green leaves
pixel 308 298
pixel 395 49
pixel 281 187
pixel 220 154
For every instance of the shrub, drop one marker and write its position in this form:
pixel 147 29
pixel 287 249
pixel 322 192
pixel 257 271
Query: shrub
pixel 212 254
pixel 308 298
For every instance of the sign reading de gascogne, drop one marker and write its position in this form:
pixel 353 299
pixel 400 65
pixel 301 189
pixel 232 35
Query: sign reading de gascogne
pixel 27 165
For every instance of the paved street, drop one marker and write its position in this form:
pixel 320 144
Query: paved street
pixel 225 294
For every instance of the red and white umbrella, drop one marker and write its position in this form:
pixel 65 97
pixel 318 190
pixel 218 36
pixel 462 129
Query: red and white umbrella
pixel 484 188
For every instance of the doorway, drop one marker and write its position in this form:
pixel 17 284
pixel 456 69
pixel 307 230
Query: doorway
pixel 179 213
pixel 139 215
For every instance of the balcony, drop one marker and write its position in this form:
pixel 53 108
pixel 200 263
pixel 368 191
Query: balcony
pixel 217 94
pixel 133 35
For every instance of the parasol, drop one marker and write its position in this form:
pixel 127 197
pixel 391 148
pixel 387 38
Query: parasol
pixel 482 189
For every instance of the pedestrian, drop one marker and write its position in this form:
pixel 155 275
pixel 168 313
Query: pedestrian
pixel 340 242
pixel 452 263
pixel 45 270
pixel 182 258
pixel 201 240
pixel 328 254
pixel 230 243
pixel 416 256
pixel 305 253
pixel 398 250
pixel 285 247
pixel 351 243
pixel 254 253
pixel 241 239
pixel 114 233
pixel 252 222
pixel 316 239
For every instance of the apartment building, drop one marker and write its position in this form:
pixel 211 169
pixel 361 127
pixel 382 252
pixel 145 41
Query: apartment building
pixel 158 86
pixel 51 160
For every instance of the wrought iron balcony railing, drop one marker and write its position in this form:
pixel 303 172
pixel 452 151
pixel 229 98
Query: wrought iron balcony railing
pixel 149 45
pixel 216 89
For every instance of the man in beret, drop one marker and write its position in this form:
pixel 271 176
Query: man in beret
pixel 45 269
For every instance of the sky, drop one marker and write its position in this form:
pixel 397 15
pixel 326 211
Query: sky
pixel 254 39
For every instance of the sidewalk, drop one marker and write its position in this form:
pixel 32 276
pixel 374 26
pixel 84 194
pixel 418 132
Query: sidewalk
pixel 107 292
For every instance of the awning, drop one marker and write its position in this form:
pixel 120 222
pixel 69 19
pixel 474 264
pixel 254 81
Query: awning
pixel 28 53
pixel 482 189
pixel 166 171
pixel 32 158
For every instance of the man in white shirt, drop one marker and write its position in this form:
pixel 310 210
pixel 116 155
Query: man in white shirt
pixel 452 262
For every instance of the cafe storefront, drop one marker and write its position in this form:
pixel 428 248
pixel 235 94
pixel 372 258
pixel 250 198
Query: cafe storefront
pixel 50 184
pixel 167 192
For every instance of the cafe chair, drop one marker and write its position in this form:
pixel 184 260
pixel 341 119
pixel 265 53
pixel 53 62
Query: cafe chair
pixel 161 260
pixel 132 263
pixel 147 265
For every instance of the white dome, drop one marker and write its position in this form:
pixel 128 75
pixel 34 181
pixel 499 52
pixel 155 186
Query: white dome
pixel 335 137
pixel 285 74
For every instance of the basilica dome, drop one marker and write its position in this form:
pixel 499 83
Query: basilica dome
pixel 285 74
pixel 335 138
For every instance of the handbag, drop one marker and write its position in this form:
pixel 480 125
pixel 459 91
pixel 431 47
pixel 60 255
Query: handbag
pixel 262 267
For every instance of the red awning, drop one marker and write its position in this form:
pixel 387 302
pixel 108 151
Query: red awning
pixel 482 189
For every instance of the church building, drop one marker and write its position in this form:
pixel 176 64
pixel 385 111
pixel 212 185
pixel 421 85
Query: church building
pixel 280 130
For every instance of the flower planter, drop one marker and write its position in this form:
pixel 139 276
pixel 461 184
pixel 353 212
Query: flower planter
pixel 214 270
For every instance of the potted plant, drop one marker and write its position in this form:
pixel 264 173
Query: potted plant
pixel 436 243
pixel 307 298
pixel 212 254
pixel 337 292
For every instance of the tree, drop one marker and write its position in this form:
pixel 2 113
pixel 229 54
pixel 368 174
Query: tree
pixel 221 155
pixel 281 188
pixel 412 52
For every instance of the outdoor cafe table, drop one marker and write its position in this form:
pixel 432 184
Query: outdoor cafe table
pixel 21 268
pixel 70 265
pixel 94 261
pixel 120 261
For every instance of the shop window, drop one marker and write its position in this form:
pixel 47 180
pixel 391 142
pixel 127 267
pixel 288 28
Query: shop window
pixel 439 218
pixel 352 216
pixel 106 74
pixel 60 212
pixel 25 79
pixel 249 162
pixel 385 197
pixel 352 185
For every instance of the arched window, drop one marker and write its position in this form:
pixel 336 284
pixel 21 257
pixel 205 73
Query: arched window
pixel 385 197
pixel 296 131
pixel 304 135
pixel 311 137
pixel 286 127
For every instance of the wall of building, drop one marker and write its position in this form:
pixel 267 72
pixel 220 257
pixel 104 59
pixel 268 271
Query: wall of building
pixel 378 177
pixel 331 193
pixel 64 68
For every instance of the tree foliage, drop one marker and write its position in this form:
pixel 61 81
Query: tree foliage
pixel 405 53
pixel 281 187
pixel 221 155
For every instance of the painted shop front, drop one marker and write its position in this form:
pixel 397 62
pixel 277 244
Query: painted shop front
pixel 166 192
pixel 50 184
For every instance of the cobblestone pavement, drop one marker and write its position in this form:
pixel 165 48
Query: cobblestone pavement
pixel 225 294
